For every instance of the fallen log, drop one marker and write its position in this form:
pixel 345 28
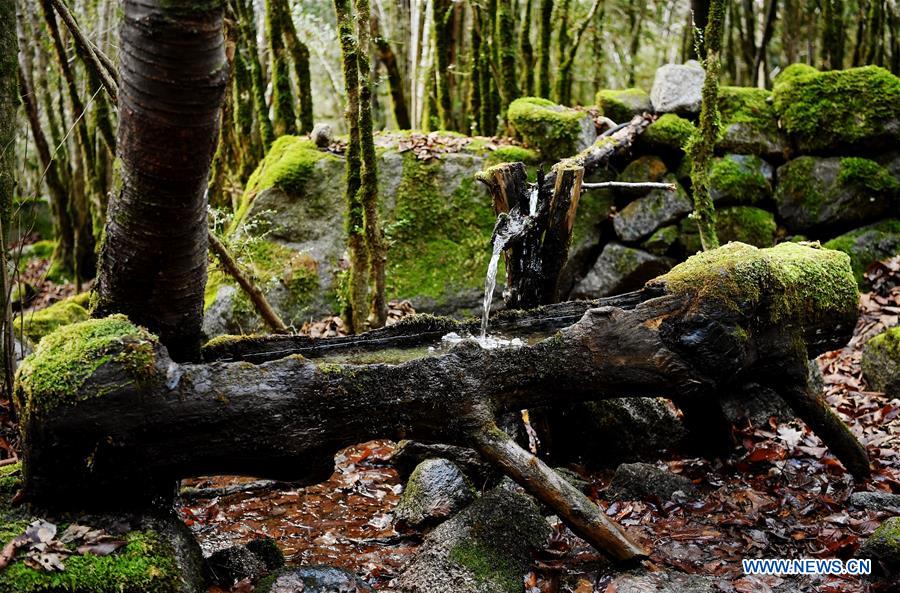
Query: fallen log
pixel 108 419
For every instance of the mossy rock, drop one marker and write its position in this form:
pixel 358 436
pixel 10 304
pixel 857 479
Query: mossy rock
pixel 657 209
pixel 839 109
pixel 556 131
pixel 883 547
pixel 868 244
pixel 662 241
pixel 61 370
pixel 436 490
pixel 644 169
pixel 746 224
pixel 620 269
pixel 623 104
pixel 670 133
pixel 749 124
pixel 881 362
pixel 740 179
pixel 160 555
pixel 34 325
pixel 815 195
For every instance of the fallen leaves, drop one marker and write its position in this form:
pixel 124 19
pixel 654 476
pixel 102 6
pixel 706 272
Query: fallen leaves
pixel 43 551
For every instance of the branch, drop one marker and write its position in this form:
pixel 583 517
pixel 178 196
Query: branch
pixel 102 67
pixel 260 303
pixel 628 185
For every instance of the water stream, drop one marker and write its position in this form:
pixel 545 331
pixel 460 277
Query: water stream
pixel 515 225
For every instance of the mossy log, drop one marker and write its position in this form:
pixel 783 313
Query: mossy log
pixel 109 419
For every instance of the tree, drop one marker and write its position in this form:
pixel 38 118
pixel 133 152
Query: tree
pixel 545 35
pixel 9 102
pixel 282 95
pixel 173 77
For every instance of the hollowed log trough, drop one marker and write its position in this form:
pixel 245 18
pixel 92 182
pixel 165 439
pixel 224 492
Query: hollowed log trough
pixel 109 420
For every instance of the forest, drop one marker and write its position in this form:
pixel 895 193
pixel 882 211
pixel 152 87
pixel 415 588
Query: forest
pixel 449 296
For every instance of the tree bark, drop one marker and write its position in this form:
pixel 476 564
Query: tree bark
pixel 153 262
pixel 9 102
pixel 395 81
pixel 300 58
pixel 285 119
pixel 545 35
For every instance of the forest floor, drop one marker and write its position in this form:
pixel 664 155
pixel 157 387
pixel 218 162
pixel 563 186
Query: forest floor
pixel 781 494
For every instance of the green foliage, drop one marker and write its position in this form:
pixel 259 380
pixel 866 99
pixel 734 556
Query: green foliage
pixel 838 107
pixel 65 360
pixel 552 129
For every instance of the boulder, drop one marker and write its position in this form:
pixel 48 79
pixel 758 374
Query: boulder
pixel 554 130
pixel 620 269
pixel 622 105
pixel 883 547
pixel 322 135
pixel 677 88
pixel 749 124
pixel 839 110
pixel 662 241
pixel 816 194
pixel 881 362
pixel 740 179
pixel 876 501
pixel 668 134
pixel 637 481
pixel 267 550
pixel 234 563
pixel 648 168
pixel 755 404
pixel 409 454
pixel 486 548
pixel 662 581
pixel 657 209
pixel 313 579
pixel 609 432
pixel 746 224
pixel 868 244
pixel 436 490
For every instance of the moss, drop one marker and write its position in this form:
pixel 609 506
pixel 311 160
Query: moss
pixel 487 566
pixel 512 154
pixel 745 224
pixel 644 169
pixel 746 105
pixel 867 174
pixel 39 250
pixel 37 324
pixel 868 244
pixel 795 178
pixel 883 545
pixel 65 360
pixel 670 131
pixel 839 107
pixel 888 343
pixel 738 179
pixel 661 241
pixel 621 105
pixel 552 129
pixel 804 280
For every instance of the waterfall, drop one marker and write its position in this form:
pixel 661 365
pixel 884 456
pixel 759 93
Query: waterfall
pixel 515 226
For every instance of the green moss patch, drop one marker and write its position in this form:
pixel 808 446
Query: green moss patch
pixel 670 132
pixel 827 110
pixel 34 325
pixel 745 224
pixel 621 105
pixel 65 360
pixel 554 130
pixel 868 244
pixel 738 179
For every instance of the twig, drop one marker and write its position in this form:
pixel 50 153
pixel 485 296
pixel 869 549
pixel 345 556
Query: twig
pixel 89 52
pixel 256 295
pixel 9 550
pixel 627 185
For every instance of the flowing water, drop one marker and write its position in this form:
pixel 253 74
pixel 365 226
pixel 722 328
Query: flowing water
pixel 515 225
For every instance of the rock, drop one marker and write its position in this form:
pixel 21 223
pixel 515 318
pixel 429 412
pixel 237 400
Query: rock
pixel 486 548
pixel 555 130
pixel 644 169
pixel 746 224
pixel 819 194
pixel 622 105
pixel 677 88
pixel 875 501
pixel 322 135
pixel 867 245
pixel 756 404
pixel 637 481
pixel 267 550
pixel 657 209
pixel 409 454
pixel 620 269
pixel 661 242
pixel 233 564
pixel 740 179
pixel 749 123
pixel 883 547
pixel 669 134
pixel 436 490
pixel 313 579
pixel 824 112
pixel 662 581
pixel 609 432
pixel 881 362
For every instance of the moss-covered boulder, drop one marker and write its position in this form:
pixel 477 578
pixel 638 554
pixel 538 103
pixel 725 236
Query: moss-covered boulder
pixel 623 104
pixel 638 481
pixel 556 131
pixel 159 556
pixel 868 244
pixel 620 269
pixel 815 195
pixel 740 179
pixel 313 579
pixel 883 548
pixel 677 88
pixel 839 109
pixel 657 209
pixel 749 124
pixel 486 548
pixel 641 170
pixel 34 325
pixel 746 224
pixel 662 241
pixel 290 229
pixel 435 491
pixel 881 362
pixel 669 134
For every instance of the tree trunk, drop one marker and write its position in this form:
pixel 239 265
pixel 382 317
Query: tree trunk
pixel 705 328
pixel 9 102
pixel 153 263
pixel 505 39
pixel 526 53
pixel 300 58
pixel 395 80
pixel 833 36
pixel 247 19
pixel 545 35
pixel 285 119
